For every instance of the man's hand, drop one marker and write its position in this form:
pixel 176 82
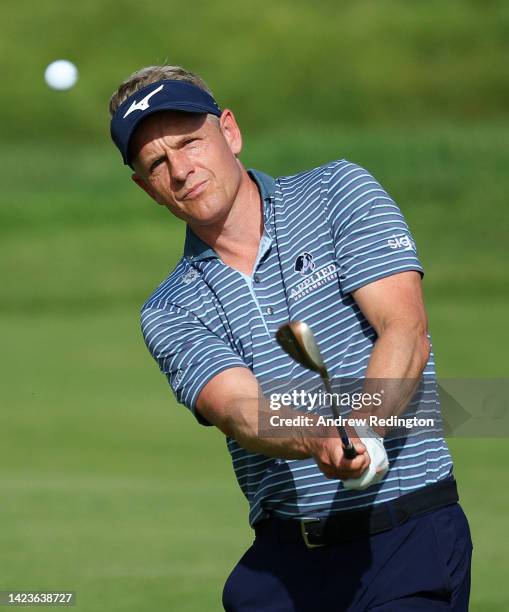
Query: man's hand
pixel 379 463
pixel 329 456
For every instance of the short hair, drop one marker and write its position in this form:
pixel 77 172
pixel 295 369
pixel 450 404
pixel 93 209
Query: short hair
pixel 152 74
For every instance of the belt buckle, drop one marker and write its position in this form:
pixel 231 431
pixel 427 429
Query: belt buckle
pixel 305 534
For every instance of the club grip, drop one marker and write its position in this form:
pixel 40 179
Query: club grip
pixel 349 451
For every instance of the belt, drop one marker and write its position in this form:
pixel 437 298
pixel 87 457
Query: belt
pixel 353 524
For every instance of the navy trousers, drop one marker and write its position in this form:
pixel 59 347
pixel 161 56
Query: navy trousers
pixel 423 564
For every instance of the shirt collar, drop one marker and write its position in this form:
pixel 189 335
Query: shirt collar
pixel 194 247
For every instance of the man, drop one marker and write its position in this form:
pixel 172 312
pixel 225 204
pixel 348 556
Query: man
pixel 331 248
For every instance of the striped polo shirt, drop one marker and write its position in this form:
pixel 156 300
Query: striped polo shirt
pixel 327 232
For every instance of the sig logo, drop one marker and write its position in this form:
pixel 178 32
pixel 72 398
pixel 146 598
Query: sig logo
pixel 403 242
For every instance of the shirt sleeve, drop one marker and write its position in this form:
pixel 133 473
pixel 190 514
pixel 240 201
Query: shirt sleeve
pixel 371 237
pixel 187 352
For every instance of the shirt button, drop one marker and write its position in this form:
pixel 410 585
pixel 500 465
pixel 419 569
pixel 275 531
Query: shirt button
pixel 269 310
pixel 256 278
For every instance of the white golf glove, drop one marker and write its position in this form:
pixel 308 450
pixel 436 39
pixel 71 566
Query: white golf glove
pixel 379 465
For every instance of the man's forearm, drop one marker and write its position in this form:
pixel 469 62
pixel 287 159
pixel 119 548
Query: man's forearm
pixel 246 416
pixel 396 364
pixel 248 422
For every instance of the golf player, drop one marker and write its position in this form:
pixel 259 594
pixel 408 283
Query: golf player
pixel 382 531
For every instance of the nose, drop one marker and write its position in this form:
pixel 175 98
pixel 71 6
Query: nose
pixel 180 166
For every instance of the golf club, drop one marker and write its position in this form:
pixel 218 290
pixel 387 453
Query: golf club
pixel 297 340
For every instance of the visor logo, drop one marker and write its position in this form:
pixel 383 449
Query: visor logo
pixel 143 104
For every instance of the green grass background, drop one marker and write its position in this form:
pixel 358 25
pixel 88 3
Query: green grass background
pixel 105 481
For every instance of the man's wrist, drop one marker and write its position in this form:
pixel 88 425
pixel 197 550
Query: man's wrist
pixel 365 423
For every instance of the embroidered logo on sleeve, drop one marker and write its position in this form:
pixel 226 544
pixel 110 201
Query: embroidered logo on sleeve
pixel 177 378
pixel 402 242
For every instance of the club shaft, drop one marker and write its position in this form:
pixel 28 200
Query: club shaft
pixel 348 447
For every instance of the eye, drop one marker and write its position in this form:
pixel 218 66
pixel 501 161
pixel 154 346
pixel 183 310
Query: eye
pixel 189 141
pixel 156 163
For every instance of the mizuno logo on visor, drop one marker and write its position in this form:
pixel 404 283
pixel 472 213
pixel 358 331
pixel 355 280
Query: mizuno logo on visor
pixel 143 104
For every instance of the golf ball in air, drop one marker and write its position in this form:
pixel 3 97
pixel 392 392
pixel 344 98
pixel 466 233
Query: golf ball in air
pixel 61 74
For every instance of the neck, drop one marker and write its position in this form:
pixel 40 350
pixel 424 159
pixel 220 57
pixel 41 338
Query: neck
pixel 236 240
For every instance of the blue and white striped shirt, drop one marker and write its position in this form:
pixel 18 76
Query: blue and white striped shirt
pixel 328 231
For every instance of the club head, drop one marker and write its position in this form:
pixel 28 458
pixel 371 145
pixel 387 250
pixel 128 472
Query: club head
pixel 296 339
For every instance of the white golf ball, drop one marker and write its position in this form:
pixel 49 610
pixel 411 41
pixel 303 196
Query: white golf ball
pixel 61 74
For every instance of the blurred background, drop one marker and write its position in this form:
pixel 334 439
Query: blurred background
pixel 105 480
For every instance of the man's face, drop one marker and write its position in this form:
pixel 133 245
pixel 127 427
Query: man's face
pixel 187 162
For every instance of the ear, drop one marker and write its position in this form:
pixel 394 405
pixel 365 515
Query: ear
pixel 144 185
pixel 231 131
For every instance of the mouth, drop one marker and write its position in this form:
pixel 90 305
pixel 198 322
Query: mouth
pixel 195 191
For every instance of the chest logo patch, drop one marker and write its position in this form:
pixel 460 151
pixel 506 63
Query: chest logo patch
pixel 304 264
pixel 314 280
